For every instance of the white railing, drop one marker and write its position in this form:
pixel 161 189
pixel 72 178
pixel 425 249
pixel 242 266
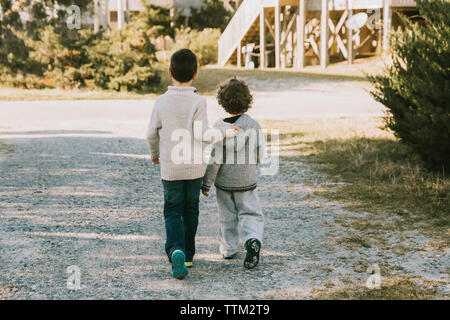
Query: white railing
pixel 237 28
pixel 403 3
pixel 358 4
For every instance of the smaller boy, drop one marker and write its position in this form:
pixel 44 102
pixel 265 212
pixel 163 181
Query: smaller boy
pixel 233 169
pixel 181 110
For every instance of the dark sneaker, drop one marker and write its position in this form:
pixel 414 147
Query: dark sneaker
pixel 179 270
pixel 253 247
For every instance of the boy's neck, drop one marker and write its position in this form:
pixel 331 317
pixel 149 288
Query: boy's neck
pixel 181 84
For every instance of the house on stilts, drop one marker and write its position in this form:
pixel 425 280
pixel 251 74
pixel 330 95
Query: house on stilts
pixel 296 33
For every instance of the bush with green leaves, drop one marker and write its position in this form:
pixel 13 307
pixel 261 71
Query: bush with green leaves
pixel 122 60
pixel 59 55
pixel 202 43
pixel 416 87
pixel 13 51
pixel 43 52
pixel 155 21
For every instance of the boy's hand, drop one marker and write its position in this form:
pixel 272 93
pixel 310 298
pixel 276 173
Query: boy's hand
pixel 155 161
pixel 205 193
pixel 233 132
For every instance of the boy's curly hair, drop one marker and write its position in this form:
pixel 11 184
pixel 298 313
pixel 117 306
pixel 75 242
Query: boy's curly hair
pixel 234 96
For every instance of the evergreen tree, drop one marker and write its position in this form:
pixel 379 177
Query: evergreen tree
pixel 416 87
pixel 155 21
pixel 212 14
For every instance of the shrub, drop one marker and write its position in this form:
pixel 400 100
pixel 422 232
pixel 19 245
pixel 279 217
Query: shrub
pixel 155 20
pixel 124 59
pixel 202 43
pixel 13 51
pixel 58 55
pixel 45 53
pixel 24 81
pixel 416 88
pixel 212 14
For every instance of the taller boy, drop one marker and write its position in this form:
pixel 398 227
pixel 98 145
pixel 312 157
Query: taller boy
pixel 177 114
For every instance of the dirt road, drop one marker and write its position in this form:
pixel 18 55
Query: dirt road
pixel 77 189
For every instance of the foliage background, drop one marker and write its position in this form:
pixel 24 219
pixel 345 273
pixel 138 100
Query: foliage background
pixel 43 53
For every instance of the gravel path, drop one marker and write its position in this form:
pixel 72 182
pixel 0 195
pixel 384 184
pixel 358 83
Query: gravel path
pixel 77 189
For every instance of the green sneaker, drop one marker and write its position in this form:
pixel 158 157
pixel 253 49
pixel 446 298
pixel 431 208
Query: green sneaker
pixel 179 270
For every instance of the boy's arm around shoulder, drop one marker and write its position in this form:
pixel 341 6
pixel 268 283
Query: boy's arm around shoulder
pixel 152 133
pixel 203 132
pixel 251 133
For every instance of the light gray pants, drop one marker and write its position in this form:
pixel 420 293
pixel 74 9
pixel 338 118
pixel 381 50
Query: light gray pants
pixel 240 217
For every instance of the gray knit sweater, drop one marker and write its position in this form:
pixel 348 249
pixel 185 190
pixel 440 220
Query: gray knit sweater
pixel 233 162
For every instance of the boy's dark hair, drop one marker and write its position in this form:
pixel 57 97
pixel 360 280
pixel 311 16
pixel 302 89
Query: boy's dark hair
pixel 183 65
pixel 234 96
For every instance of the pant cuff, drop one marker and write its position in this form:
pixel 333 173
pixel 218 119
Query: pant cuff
pixel 228 253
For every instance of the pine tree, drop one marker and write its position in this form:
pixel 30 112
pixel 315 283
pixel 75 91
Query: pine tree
pixel 416 87
pixel 155 21
pixel 212 14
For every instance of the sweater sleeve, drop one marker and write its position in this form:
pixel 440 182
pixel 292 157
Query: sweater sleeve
pixel 202 130
pixel 262 144
pixel 152 133
pixel 211 172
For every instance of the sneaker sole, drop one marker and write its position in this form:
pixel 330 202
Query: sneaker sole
pixel 179 269
pixel 252 258
pixel 230 257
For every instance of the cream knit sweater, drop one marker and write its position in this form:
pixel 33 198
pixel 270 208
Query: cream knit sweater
pixel 177 130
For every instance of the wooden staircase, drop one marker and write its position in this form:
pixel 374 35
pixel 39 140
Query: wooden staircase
pixel 243 26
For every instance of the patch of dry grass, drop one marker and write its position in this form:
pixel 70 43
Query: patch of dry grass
pixel 379 173
pixel 206 83
pixel 208 80
pixel 356 240
pixel 16 94
pixel 7 291
pixel 6 148
pixel 392 288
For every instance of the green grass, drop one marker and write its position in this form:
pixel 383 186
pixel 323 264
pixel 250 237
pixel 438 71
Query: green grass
pixel 379 174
